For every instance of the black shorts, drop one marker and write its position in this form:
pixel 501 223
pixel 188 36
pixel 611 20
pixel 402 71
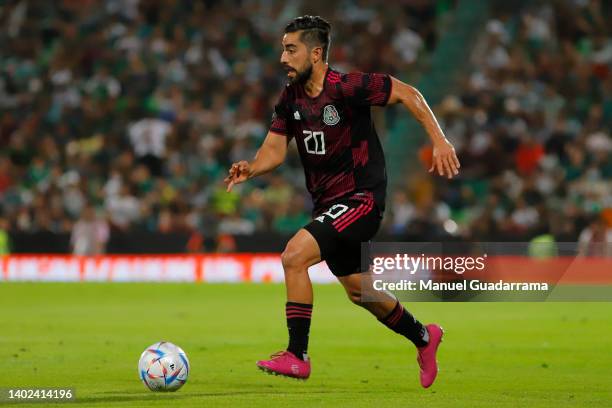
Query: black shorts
pixel 341 228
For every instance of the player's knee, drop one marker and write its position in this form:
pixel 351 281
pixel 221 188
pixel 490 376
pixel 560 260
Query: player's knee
pixel 291 258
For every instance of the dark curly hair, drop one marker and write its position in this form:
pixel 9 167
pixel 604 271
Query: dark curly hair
pixel 315 31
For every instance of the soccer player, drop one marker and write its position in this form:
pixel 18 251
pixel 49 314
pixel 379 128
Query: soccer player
pixel 328 114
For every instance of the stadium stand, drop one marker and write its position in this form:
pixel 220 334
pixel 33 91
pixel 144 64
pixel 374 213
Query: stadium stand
pixel 121 117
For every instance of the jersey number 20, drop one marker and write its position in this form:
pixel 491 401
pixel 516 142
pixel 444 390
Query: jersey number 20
pixel 314 142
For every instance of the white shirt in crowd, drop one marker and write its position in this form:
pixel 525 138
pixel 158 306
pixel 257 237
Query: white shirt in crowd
pixel 148 137
pixel 89 237
pixel 123 210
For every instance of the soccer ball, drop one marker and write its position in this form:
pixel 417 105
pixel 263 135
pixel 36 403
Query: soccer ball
pixel 163 366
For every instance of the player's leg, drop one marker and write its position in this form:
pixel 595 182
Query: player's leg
pixel 390 312
pixel 317 240
pixel 346 265
pixel 301 252
pixel 386 308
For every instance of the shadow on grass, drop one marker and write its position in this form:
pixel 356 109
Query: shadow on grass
pixel 105 399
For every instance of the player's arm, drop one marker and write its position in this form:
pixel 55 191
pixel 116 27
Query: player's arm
pixel 270 155
pixel 444 157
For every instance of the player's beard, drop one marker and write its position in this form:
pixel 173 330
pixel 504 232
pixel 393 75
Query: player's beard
pixel 302 76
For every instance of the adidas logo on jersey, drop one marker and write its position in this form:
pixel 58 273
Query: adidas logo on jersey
pixel 296 115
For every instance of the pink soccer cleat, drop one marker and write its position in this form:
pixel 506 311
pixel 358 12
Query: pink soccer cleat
pixel 427 355
pixel 287 364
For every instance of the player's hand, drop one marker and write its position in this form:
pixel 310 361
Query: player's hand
pixel 445 159
pixel 238 173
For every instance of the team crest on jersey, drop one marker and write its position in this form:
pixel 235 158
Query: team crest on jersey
pixel 330 115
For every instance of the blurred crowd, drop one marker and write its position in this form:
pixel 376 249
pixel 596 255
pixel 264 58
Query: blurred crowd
pixel 118 115
pixel 531 120
pixel 125 114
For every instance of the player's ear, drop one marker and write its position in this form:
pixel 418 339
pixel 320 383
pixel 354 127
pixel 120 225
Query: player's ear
pixel 316 54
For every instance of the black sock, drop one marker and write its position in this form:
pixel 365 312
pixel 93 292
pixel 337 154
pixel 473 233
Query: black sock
pixel 402 322
pixel 298 323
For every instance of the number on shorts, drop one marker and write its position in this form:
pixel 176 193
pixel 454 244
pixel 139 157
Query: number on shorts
pixel 334 212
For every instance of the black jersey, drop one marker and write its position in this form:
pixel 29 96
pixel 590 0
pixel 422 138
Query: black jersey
pixel 335 136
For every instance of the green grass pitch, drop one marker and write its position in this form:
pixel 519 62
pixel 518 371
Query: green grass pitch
pixel 89 336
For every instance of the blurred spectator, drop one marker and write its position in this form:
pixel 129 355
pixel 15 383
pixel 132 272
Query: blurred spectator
pixel 226 243
pixel 195 244
pixel 148 138
pixel 90 233
pixel 291 216
pixel 123 209
pixel 233 224
pixel 403 212
pixel 596 239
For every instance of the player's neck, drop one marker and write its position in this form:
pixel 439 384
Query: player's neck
pixel 316 82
